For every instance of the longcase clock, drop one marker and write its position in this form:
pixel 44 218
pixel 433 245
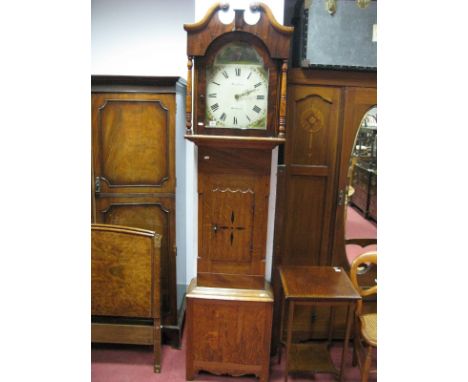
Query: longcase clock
pixel 236 116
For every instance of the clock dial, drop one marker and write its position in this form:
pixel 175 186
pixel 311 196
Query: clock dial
pixel 237 89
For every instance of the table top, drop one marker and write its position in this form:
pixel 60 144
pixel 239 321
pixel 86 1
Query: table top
pixel 314 282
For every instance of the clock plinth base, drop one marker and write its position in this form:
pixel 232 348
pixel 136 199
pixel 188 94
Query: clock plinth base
pixel 228 331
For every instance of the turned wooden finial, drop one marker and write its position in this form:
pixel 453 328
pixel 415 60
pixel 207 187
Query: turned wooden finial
pixel 282 111
pixel 188 101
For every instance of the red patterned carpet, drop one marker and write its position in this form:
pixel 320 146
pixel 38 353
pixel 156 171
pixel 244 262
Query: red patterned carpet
pixel 113 363
pixel 357 227
pixel 134 364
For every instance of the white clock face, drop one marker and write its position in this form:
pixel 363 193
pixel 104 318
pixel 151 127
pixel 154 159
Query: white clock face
pixel 237 95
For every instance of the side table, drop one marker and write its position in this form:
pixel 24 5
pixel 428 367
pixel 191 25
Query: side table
pixel 317 286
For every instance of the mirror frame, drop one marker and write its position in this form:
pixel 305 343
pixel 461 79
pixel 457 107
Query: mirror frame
pixel 357 103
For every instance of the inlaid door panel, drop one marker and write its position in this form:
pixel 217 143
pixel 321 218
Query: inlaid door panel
pixel 233 208
pixel 230 212
pixel 155 214
pixel 230 216
pixel 131 135
pixel 313 115
pixel 311 157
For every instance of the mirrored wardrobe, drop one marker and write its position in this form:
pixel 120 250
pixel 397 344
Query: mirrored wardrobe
pixel 326 210
pixel 362 189
pixel 360 209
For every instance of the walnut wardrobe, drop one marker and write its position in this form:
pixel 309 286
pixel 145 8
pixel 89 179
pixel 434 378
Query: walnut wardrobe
pixel 134 169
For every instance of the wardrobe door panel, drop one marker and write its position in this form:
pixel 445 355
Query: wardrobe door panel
pixel 304 230
pixel 313 121
pixel 233 204
pixel 131 149
pixel 311 158
pixel 357 102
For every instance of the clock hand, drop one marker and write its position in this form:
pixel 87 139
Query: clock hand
pixel 237 96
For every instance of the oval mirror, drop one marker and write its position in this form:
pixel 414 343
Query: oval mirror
pixel 361 202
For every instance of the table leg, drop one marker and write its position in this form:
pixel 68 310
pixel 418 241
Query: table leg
pixel 283 313
pixel 157 344
pixel 289 336
pixel 331 324
pixel 346 340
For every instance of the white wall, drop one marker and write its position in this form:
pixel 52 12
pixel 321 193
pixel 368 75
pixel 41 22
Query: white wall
pixel 276 6
pixel 140 37
pixel 146 37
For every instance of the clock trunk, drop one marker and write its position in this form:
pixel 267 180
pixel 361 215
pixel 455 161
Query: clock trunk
pixel 233 189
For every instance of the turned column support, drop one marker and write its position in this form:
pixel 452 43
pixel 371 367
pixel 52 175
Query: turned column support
pixel 188 101
pixel 282 110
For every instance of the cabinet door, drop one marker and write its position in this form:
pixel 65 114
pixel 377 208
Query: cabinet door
pixel 155 214
pixel 311 158
pixel 233 188
pixel 357 102
pixel 132 135
pixel 134 173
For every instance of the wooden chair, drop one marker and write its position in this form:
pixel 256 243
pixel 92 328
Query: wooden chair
pixel 365 333
pixel 125 287
pixel 367 272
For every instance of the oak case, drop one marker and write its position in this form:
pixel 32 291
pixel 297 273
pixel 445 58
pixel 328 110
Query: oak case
pixel 229 305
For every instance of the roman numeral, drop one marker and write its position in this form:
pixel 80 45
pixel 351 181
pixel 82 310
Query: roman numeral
pixel 260 97
pixel 249 75
pixel 224 73
pixel 212 95
pixel 223 117
pixel 246 116
pixel 215 83
pixel 235 121
pixel 214 107
pixel 257 85
pixel 238 72
pixel 256 109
